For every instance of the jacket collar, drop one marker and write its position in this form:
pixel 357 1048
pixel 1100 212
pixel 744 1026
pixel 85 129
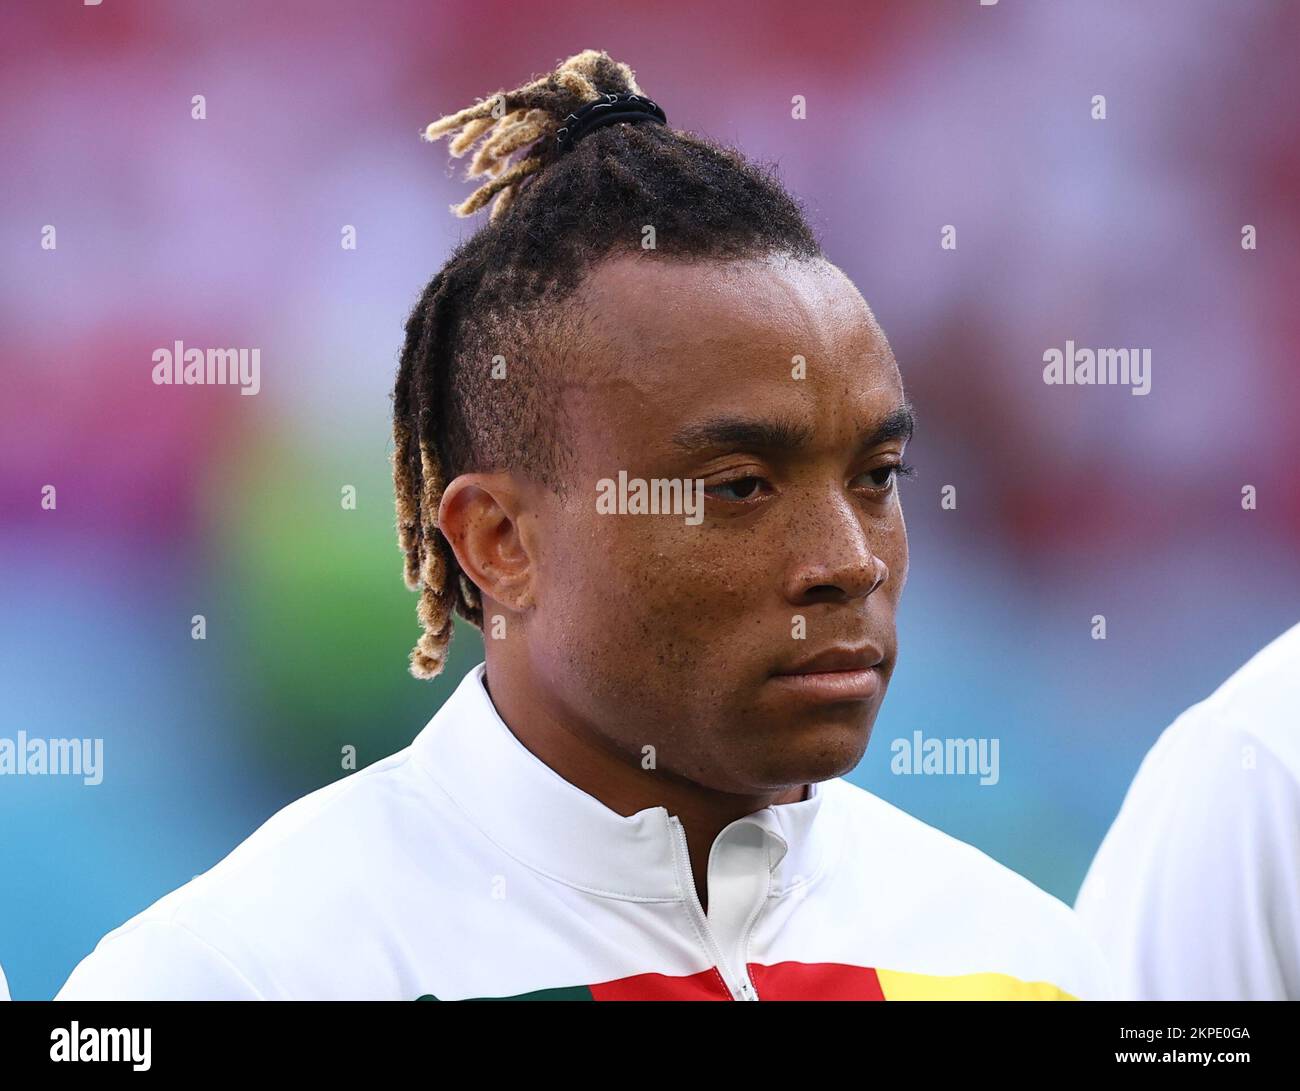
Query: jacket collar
pixel 536 816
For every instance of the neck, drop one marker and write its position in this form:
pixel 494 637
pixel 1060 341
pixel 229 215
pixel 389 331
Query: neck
pixel 591 761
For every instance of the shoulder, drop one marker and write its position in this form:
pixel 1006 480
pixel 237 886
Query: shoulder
pixel 956 898
pixel 305 884
pixel 908 845
pixel 1258 703
pixel 1224 764
pixel 154 957
pixel 1217 756
pixel 322 841
pixel 1224 774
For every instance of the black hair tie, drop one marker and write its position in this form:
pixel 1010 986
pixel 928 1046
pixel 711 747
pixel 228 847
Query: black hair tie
pixel 606 111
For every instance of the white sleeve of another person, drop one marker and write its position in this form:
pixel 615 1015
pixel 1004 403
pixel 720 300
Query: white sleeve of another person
pixel 1195 891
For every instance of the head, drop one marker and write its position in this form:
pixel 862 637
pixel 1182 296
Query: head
pixel 556 351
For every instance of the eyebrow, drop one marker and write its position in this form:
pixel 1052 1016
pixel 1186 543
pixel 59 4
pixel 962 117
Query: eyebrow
pixel 782 434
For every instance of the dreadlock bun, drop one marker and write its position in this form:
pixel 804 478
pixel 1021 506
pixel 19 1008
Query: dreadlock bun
pixel 508 122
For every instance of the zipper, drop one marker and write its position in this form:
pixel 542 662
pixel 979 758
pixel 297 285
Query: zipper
pixel 739 985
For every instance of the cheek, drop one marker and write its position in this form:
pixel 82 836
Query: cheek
pixel 653 590
pixel 892 549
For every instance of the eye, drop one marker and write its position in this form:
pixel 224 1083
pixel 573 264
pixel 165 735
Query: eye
pixel 883 478
pixel 737 490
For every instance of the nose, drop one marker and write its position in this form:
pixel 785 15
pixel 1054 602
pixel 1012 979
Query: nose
pixel 836 562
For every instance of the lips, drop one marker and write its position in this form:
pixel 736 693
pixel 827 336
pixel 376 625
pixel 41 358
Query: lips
pixel 839 658
pixel 840 673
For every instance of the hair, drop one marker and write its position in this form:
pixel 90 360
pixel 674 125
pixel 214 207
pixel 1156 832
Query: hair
pixel 556 216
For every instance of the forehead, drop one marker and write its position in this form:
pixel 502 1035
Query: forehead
pixel 665 342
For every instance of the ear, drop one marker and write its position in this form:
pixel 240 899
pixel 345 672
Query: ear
pixel 484 518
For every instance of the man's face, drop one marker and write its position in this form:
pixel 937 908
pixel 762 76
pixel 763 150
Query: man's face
pixel 651 631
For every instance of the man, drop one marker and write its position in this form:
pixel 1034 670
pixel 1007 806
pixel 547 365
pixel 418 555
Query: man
pixel 662 480
pixel 1195 892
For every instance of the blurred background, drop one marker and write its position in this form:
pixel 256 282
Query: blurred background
pixel 172 502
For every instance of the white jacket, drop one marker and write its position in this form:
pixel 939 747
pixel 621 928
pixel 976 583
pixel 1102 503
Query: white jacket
pixel 1195 892
pixel 464 867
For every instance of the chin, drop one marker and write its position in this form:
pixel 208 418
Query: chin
pixel 818 751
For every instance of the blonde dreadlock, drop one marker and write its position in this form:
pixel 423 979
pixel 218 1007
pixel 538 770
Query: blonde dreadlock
pixel 501 287
pixel 507 121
